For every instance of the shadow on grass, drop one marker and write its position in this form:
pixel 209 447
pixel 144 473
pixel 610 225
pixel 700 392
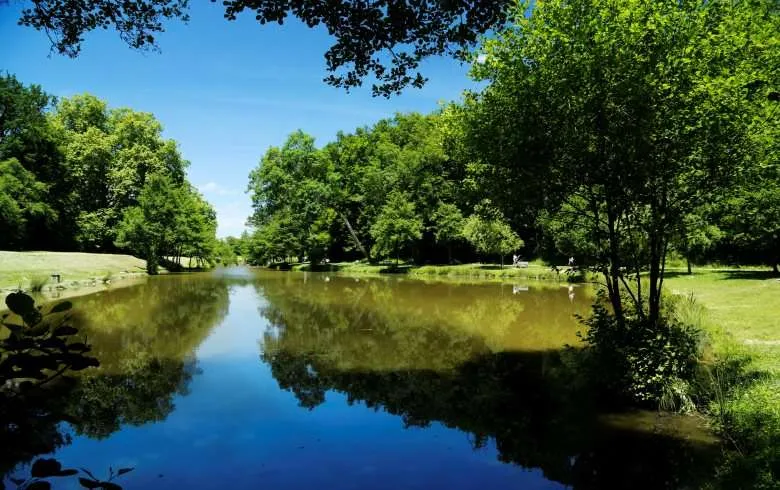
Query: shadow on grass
pixel 754 275
pixel 724 275
pixel 673 274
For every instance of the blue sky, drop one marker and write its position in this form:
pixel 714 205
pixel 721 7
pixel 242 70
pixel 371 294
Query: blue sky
pixel 226 91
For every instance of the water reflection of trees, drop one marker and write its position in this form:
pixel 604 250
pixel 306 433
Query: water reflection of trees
pixel 414 363
pixel 144 337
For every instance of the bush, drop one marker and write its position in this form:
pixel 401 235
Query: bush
pixel 752 424
pixel 640 364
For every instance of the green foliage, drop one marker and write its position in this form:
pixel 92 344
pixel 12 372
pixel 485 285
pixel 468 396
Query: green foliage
pixel 621 119
pixel 490 234
pixel 396 226
pixel 647 364
pixel 22 204
pixel 169 219
pixel 309 202
pixel 111 153
pixel 752 422
pixel 68 177
pixel 292 194
pixel 224 253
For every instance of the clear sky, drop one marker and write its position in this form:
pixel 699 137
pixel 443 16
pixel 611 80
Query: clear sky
pixel 226 91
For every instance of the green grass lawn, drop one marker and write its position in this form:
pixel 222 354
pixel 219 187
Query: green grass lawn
pixel 21 268
pixel 743 304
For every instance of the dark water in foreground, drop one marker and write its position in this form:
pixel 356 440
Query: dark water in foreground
pixel 284 380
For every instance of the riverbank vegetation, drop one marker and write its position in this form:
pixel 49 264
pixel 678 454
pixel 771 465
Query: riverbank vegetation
pixel 615 134
pixel 78 175
pixel 611 134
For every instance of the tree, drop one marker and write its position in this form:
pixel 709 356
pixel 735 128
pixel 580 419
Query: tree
pixel 628 117
pixel 397 225
pixel 292 194
pixel 696 236
pixel 144 228
pixel 110 153
pixel 490 234
pixel 22 204
pixel 751 222
pixel 27 137
pixel 405 33
pixel 447 225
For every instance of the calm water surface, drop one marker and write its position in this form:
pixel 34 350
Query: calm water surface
pixel 242 379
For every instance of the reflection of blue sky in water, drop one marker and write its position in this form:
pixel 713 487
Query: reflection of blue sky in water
pixel 237 429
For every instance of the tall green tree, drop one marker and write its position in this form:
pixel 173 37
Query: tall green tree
pixel 27 137
pixel 629 114
pixel 489 233
pixel 145 228
pixel 292 194
pixel 23 205
pixel 110 153
pixel 397 225
pixel 447 224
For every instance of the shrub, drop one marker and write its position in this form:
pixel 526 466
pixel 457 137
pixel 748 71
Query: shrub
pixel 638 363
pixel 752 424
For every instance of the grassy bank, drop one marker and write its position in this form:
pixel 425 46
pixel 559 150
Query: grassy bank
pixel 742 311
pixel 741 314
pixel 535 271
pixel 28 270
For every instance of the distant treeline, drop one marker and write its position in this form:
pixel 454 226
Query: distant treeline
pixel 389 191
pixel 409 187
pixel 77 175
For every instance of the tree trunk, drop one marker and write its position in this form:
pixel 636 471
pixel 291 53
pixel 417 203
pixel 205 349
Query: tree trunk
pixel 355 237
pixel 502 261
pixel 449 253
pixel 688 259
pixel 613 272
pixel 775 270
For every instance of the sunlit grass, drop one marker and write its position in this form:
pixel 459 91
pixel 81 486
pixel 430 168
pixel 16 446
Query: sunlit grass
pixel 17 269
pixel 743 305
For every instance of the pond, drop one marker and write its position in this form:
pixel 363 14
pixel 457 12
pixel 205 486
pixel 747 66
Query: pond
pixel 248 379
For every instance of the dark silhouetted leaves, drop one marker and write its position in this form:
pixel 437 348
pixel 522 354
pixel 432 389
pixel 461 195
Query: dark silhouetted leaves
pixel 65 330
pixel 80 362
pixel 38 330
pixel 32 317
pixel 39 485
pixel 20 303
pixel 87 472
pixel 122 471
pixel 78 347
pixel 86 483
pixel 60 307
pixel 44 468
